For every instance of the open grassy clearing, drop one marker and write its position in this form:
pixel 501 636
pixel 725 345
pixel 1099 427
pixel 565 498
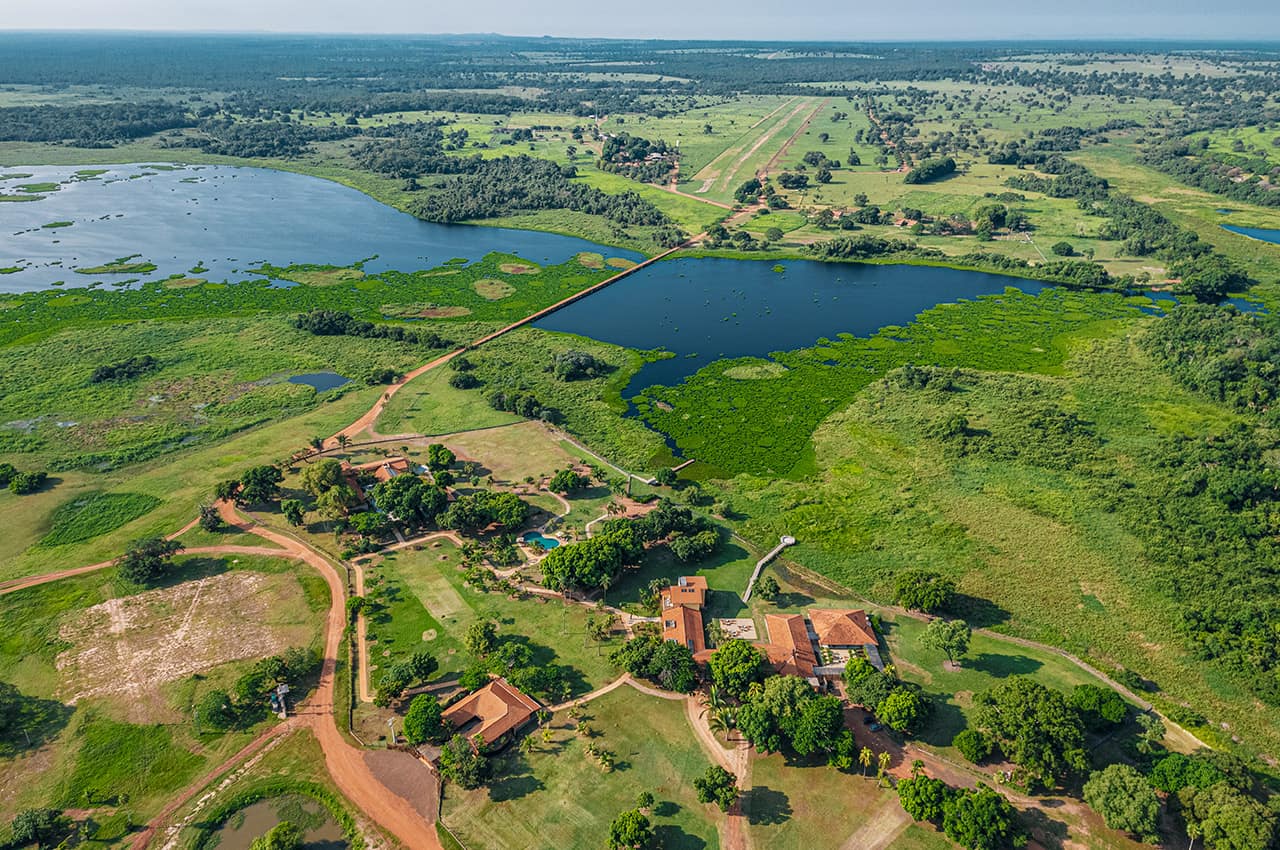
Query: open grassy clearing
pixel 557 797
pixel 134 734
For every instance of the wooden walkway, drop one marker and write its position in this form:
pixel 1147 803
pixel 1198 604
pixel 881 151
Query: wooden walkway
pixel 787 540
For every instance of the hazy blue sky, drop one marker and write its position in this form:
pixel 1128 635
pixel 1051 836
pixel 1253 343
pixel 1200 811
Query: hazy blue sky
pixel 754 19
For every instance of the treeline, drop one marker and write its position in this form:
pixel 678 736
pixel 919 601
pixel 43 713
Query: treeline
pixel 1038 146
pixel 491 188
pixel 89 126
pixel 266 139
pixel 1244 183
pixel 930 170
pixel 1069 180
pixel 338 323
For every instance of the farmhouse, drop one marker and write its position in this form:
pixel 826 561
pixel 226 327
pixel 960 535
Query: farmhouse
pixel 817 645
pixel 681 612
pixel 496 710
pixel 379 470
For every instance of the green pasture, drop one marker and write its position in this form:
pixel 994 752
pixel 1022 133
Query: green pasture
pixel 556 796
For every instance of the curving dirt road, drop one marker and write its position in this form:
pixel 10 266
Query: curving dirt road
pixel 17 584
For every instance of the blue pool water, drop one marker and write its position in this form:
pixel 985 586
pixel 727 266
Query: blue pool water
pixel 542 539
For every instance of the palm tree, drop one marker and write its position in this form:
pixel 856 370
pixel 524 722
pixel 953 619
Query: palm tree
pixel 344 441
pixel 1194 831
pixel 317 443
pixel 917 769
pixel 883 765
pixel 864 758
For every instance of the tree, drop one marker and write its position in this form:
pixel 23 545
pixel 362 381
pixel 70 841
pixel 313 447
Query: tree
pixel 294 511
pixel 865 758
pixel 462 764
pixel 25 483
pixel 901 709
pixel 1099 707
pixel 210 519
pixel 1152 733
pixel 818 726
pixel 334 503
pixel 567 480
pixel 1063 249
pixel 922 590
pixel 1228 819
pixel 422 722
pixel 481 638
pixel 665 662
pixel 577 366
pixel 260 485
pixel 282 836
pixel 923 798
pixel 439 457
pixel 369 524
pixel 630 830
pixel 1125 800
pixel 951 637
pixel 409 499
pixel 767 588
pixel 1035 727
pixel 980 820
pixel 324 474
pixel 225 491
pixel 972 744
pixel 1176 771
pixel 717 786
pixel 645 800
pixel 147 560
pixel 734 666
pixel 666 476
pixel 36 826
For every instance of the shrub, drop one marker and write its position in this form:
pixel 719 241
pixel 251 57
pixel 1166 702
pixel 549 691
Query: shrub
pixel 973 745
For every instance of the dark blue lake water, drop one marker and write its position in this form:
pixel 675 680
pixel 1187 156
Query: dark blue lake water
pixel 1255 233
pixel 708 309
pixel 228 220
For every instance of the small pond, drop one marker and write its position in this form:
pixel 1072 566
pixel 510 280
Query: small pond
pixel 1261 234
pixel 319 830
pixel 320 381
pixel 532 537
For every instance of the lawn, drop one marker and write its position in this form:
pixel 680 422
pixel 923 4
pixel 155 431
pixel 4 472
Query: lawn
pixel 556 796
pixel 429 405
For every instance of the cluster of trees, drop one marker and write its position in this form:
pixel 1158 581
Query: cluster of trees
pixel 21 483
pixel 976 819
pixel 625 154
pixel 338 323
pixel 424 721
pixel 930 170
pixel 899 705
pixel 37 826
pixel 1230 356
pixel 463 763
pixel 474 512
pixel 404 674
pixel 574 365
pixel 333 494
pixel 663 662
pixel 125 370
pixel 227 137
pixel 490 188
pixel 592 563
pixel 248 700
pixel 568 480
pixel 922 590
pixel 95 126
pixel 1222 175
pixel 258 485
pixel 410 500
pixel 1069 180
pixel 522 403
pixel 514 658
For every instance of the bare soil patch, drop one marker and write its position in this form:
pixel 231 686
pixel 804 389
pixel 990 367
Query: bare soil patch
pixel 183 282
pixel 590 260
pixel 519 268
pixel 130 646
pixel 425 311
pixel 493 290
pixel 619 263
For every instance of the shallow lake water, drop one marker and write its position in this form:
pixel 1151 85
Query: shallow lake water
pixel 320 381
pixel 320 831
pixel 227 220
pixel 704 310
pixel 1258 233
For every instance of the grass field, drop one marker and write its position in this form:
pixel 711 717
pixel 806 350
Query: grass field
pixel 556 796
pixel 136 736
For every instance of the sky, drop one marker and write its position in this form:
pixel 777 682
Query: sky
pixel 764 20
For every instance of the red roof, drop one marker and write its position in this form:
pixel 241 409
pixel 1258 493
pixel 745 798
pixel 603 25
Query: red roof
pixel 683 624
pixel 789 648
pixel 842 627
pixel 491 712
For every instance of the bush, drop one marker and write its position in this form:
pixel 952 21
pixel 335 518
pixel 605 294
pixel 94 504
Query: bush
pixel 1063 249
pixel 973 745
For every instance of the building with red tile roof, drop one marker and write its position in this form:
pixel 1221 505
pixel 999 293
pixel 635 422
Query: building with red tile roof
pixel 491 712
pixel 681 612
pixel 790 648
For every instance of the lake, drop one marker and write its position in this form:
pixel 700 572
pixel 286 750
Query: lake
pixel 319 830
pixel 706 309
pixel 226 220
pixel 1255 233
